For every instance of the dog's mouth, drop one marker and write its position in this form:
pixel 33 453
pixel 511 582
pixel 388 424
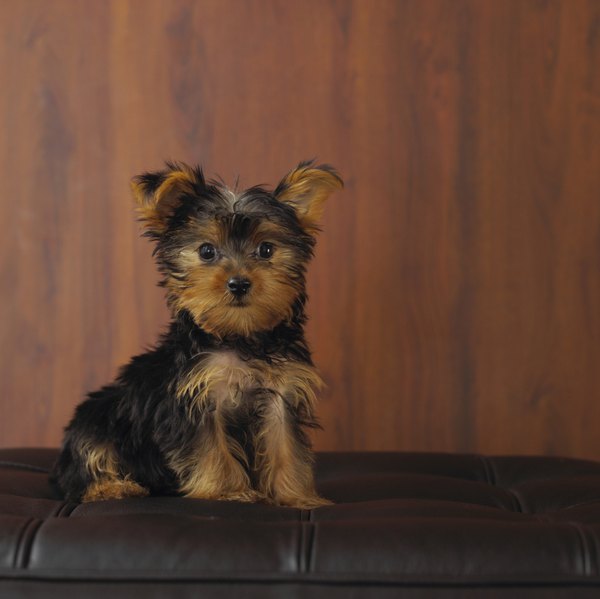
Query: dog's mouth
pixel 239 302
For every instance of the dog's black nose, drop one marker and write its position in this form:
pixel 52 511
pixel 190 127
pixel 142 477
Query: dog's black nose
pixel 238 286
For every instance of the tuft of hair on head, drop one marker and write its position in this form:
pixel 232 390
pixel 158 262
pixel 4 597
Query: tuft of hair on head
pixel 159 194
pixel 306 188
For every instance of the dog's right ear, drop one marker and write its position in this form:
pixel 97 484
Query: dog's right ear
pixel 160 193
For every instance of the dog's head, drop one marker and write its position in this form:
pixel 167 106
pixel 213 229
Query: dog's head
pixel 235 260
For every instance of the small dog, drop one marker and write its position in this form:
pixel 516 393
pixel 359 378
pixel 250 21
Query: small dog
pixel 219 409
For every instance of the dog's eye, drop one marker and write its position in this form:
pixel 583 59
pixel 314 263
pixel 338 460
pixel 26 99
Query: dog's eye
pixel 265 250
pixel 207 252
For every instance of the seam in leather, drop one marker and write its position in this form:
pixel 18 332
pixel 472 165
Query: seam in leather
pixel 488 468
pixel 300 549
pixel 28 543
pixel 65 510
pixel 24 542
pixel 517 502
pixel 585 547
pixel 579 504
pixel 57 511
pixel 312 531
pixel 18 543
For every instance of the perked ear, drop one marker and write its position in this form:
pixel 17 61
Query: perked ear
pixel 158 194
pixel 306 188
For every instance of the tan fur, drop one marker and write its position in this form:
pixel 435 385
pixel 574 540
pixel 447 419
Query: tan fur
pixel 225 375
pixel 222 376
pixel 101 490
pixel 203 290
pixel 100 460
pixel 297 382
pixel 306 189
pixel 154 209
pixel 214 469
pixel 283 466
pixel 102 463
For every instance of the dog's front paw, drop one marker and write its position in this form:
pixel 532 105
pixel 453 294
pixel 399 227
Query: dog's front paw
pixel 247 496
pixel 305 502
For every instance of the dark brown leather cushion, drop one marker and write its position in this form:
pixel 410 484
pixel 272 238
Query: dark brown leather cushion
pixel 417 521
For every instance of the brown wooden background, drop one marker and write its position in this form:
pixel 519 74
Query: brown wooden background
pixel 456 290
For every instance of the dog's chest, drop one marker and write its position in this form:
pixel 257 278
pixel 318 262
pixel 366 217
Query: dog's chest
pixel 224 379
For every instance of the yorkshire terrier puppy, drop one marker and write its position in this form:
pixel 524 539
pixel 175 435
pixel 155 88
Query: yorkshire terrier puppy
pixel 219 409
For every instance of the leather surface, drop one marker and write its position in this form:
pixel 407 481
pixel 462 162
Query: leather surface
pixel 429 523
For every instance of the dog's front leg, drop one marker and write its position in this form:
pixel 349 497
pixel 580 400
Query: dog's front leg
pixel 214 467
pixel 283 458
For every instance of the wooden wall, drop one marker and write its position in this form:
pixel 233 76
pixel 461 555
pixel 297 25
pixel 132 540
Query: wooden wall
pixel 456 290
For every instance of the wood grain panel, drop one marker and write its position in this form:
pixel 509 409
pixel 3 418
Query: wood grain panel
pixel 455 291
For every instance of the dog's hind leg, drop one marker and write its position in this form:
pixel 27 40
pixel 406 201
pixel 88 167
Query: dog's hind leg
pixel 105 479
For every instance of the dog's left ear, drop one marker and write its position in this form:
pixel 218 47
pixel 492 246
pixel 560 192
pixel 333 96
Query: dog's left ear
pixel 159 194
pixel 306 188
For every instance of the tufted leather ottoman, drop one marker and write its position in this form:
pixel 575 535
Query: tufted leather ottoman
pixel 415 525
